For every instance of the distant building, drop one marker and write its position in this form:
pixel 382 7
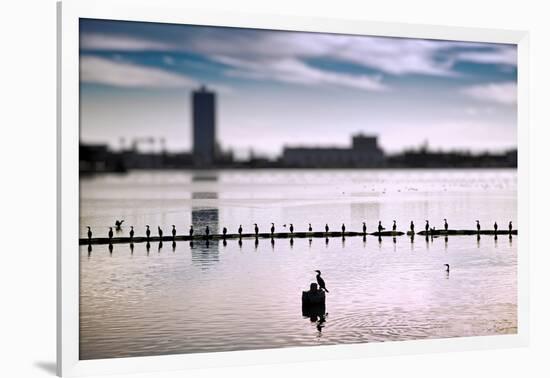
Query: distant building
pixel 364 152
pixel 204 127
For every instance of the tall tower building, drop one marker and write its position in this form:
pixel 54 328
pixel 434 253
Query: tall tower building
pixel 204 127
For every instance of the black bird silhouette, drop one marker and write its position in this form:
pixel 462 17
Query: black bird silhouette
pixel 326 227
pixel 173 231
pixel 291 228
pixel 191 230
pixel 224 231
pixel 446 225
pixel 272 228
pixel 310 228
pixel 240 229
pixel 448 268
pixel 364 228
pixel 159 231
pixel 478 226
pixel 343 228
pixel 131 232
pixel 380 228
pixel 118 224
pixel 256 229
pixel 207 231
pixel 394 227
pixel 495 226
pixel 509 227
pixel 110 233
pixel 321 282
pixel 90 231
pixel 147 232
pixel 412 227
pixel 427 226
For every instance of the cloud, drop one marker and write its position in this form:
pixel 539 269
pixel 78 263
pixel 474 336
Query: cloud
pixel 505 56
pixel 114 42
pixel 500 93
pixel 116 73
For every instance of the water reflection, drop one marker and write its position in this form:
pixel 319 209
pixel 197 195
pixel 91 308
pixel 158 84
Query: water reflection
pixel 110 248
pixel 205 215
pixel 132 248
pixel 174 246
pixel 317 314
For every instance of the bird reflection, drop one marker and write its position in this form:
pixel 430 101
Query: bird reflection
pixel 310 240
pixel 291 242
pixel 379 239
pixel 224 243
pixel 89 249
pixel 394 240
pixel 496 239
pixel 174 246
pixel 478 238
pixel 132 248
pixel 510 239
pixel 364 239
pixel 317 314
pixel 272 243
pixel 110 248
pixel 412 238
pixel 240 243
pixel 326 241
pixel 148 247
pixel 207 242
pixel 256 242
pixel 160 246
pixel 191 244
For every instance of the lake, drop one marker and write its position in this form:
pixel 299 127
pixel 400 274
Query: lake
pixel 182 298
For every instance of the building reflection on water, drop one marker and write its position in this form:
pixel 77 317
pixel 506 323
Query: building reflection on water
pixel 204 213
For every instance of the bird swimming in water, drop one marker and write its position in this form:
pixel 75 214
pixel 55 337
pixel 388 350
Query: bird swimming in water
pixel 495 226
pixel 224 231
pixel 427 227
pixel 118 224
pixel 256 229
pixel 90 231
pixel 326 227
pixel 310 229
pixel 321 282
pixel 191 230
pixel 364 228
pixel 394 227
pixel 448 268
pixel 131 232
pixel 380 228
pixel 240 229
pixel 446 225
pixel 412 227
pixel 110 233
pixel 509 227
pixel 291 228
pixel 478 226
pixel 343 228
pixel 272 228
pixel 159 231
pixel 147 231
pixel 207 231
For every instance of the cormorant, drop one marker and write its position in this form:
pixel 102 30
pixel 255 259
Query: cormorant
pixel 191 231
pixel 509 227
pixel 310 229
pixel 224 231
pixel 321 281
pixel 447 267
pixel 380 228
pixel 147 231
pixel 394 227
pixel 173 231
pixel 131 232
pixel 446 225
pixel 272 228
pixel 364 228
pixel 240 229
pixel 110 233
pixel 90 231
pixel 118 224
pixel 427 227
pixel 495 226
pixel 343 228
pixel 207 231
pixel 326 227
pixel 160 232
pixel 412 227
pixel 478 226
pixel 256 229
pixel 291 228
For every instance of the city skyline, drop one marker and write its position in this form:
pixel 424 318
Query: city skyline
pixel 279 89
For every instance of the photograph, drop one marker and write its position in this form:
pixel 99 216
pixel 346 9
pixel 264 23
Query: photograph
pixel 247 189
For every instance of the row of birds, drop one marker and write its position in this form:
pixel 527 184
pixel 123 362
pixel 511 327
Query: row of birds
pixel 118 226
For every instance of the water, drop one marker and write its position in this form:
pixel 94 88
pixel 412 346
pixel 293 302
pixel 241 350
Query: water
pixel 207 298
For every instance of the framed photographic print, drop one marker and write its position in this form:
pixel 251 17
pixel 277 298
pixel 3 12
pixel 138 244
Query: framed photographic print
pixel 284 189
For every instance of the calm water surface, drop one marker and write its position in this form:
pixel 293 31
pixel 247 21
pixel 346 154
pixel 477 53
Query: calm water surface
pixel 207 298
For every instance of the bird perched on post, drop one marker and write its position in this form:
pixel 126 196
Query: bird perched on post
pixel 427 227
pixel 510 227
pixel 207 231
pixel 159 231
pixel 118 224
pixel 478 226
pixel 380 228
pixel 321 282
pixel 394 227
pixel 110 233
pixel 240 229
pixel 272 228
pixel 343 228
pixel 291 228
pixel 131 232
pixel 256 229
pixel 310 229
pixel 446 225
pixel 191 231
pixel 326 228
pixel 364 228
pixel 90 231
pixel 448 268
pixel 495 226
pixel 412 227
pixel 173 231
pixel 224 231
pixel 147 232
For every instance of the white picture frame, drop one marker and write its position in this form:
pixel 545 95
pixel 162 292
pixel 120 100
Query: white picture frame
pixel 68 363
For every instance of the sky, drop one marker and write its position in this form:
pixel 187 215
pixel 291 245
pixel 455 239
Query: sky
pixel 286 88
